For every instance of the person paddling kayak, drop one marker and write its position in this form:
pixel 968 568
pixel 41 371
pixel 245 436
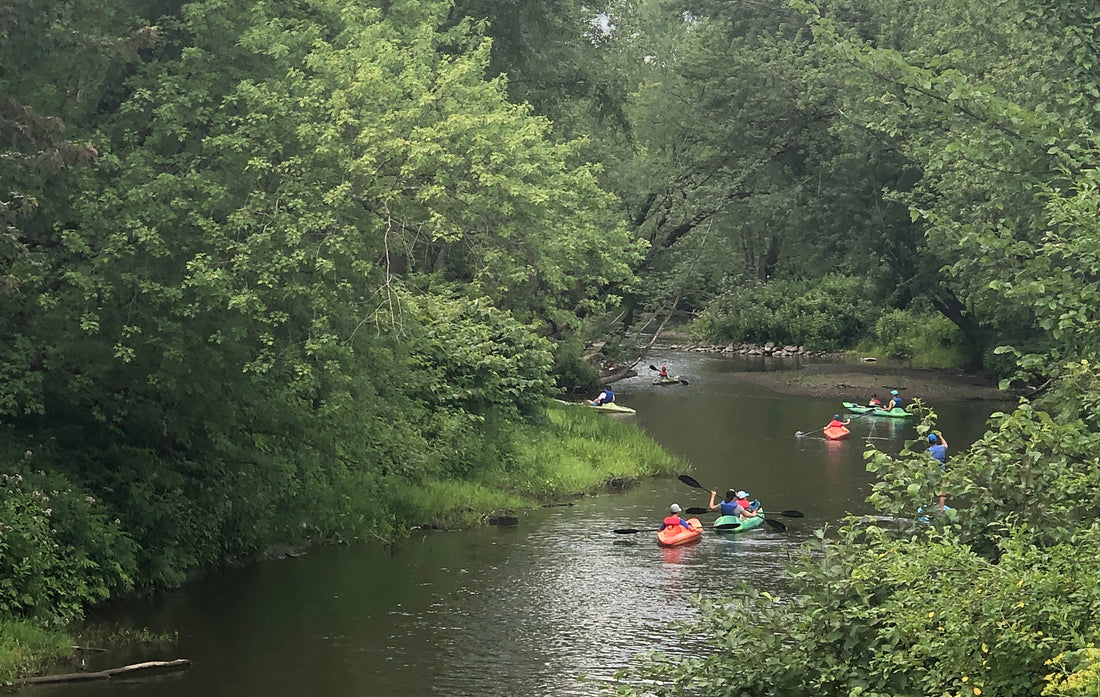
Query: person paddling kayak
pixel 895 401
pixel 727 506
pixel 673 519
pixel 607 396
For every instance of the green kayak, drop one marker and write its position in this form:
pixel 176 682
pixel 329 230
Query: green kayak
pixel 856 408
pixel 895 413
pixel 746 524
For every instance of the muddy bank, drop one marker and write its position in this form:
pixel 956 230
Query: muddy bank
pixel 858 381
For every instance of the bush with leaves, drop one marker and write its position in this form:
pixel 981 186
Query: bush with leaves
pixel 827 314
pixel 59 551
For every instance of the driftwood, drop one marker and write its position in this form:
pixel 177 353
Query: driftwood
pixel 147 668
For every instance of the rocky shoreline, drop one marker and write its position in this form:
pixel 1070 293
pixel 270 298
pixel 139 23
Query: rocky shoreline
pixel 835 376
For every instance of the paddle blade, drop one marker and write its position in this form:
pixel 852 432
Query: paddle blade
pixel 792 514
pixel 698 511
pixel 776 524
pixel 631 531
pixel 652 367
pixel 727 526
pixel 690 481
pixel 684 382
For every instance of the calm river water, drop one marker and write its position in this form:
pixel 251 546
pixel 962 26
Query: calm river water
pixel 554 606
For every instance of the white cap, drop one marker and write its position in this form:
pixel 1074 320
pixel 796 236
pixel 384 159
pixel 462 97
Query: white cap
pixel 674 508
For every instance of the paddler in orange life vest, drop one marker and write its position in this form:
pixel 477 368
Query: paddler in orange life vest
pixel 674 518
pixel 837 423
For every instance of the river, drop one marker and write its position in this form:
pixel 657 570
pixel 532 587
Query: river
pixel 554 606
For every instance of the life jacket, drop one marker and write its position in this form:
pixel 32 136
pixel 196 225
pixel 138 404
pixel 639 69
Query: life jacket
pixel 835 424
pixel 672 521
pixel 729 508
pixel 608 395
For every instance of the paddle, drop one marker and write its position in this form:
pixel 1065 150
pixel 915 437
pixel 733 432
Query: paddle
pixel 789 513
pixel 682 381
pixel 631 531
pixel 690 481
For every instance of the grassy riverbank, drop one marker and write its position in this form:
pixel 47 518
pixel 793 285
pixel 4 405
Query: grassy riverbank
pixel 571 452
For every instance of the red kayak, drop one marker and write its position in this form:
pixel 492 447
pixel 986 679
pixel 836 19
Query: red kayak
pixel 835 432
pixel 676 535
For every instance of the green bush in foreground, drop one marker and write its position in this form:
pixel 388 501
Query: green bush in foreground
pixel 59 552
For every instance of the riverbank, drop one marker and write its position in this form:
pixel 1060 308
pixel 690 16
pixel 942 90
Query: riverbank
pixel 857 381
pixel 569 453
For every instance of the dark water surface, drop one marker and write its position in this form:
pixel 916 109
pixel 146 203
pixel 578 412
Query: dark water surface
pixel 553 607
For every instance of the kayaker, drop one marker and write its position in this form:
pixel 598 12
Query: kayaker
pixel 674 518
pixel 874 401
pixel 727 506
pixel 663 372
pixel 895 401
pixel 937 447
pixel 747 508
pixel 607 396
pixel 837 423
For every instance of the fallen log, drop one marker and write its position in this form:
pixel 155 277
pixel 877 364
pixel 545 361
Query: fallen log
pixel 147 668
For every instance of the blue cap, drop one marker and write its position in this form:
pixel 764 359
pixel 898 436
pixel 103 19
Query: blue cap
pixel 893 391
pixel 932 438
pixel 836 416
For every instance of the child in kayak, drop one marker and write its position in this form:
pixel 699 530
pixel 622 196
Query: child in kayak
pixel 837 423
pixel 746 508
pixel 874 401
pixel 674 518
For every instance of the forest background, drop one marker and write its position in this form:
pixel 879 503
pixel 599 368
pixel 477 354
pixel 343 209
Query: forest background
pixel 307 271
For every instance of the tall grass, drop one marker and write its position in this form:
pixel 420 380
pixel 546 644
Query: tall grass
pixel 26 648
pixel 573 452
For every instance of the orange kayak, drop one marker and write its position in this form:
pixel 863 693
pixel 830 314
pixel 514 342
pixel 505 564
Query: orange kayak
pixel 835 432
pixel 679 535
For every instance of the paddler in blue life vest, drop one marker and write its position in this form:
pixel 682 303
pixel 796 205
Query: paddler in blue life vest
pixel 895 401
pixel 607 396
pixel 727 506
pixel 937 448
pixel 674 518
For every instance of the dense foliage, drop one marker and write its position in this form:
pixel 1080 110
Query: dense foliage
pixel 264 270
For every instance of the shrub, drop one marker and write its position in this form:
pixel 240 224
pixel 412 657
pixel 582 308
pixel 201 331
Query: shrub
pixel 58 550
pixel 827 314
